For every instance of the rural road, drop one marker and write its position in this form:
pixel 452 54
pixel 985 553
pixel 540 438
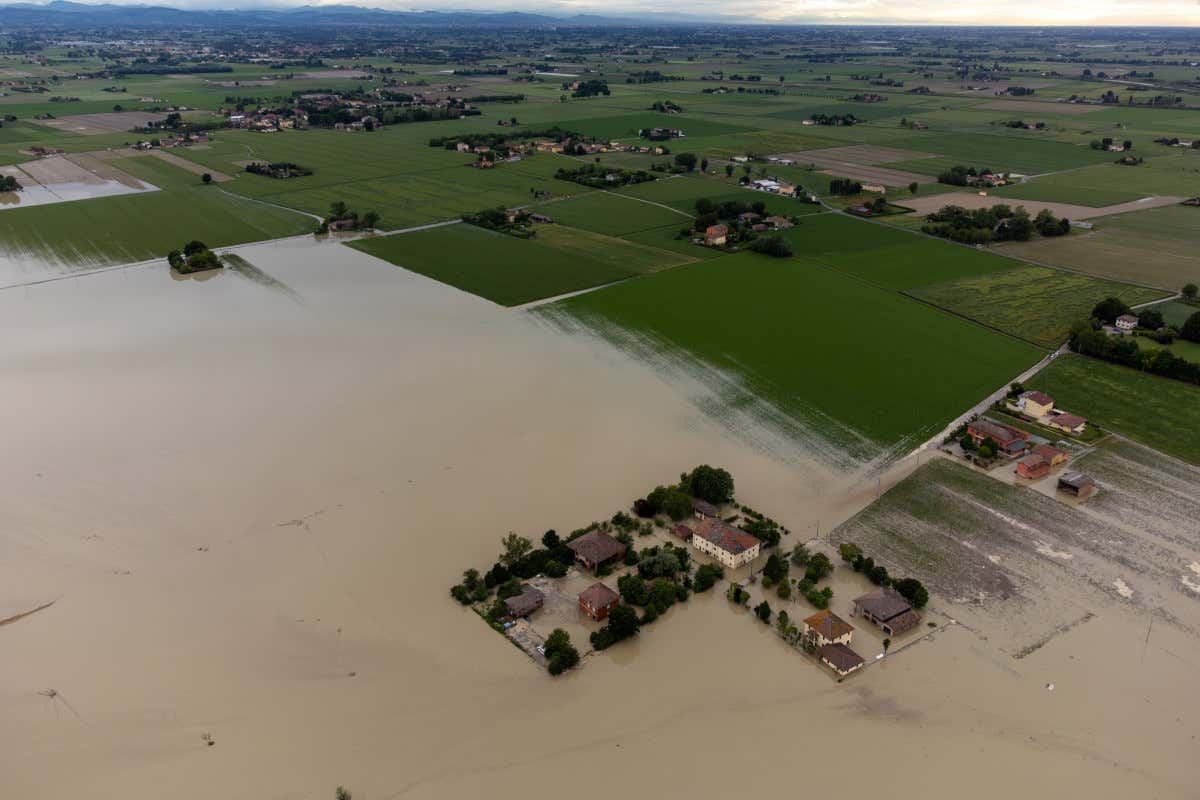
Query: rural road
pixel 986 403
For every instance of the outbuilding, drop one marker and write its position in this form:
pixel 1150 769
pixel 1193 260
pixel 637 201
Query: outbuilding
pixel 598 600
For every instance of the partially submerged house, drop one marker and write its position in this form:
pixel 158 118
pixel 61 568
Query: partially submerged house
pixel 598 600
pixel 840 658
pixel 524 604
pixel 889 610
pixel 704 509
pixel 596 548
pixel 1077 485
pixel 826 627
pixel 731 546
pixel 683 532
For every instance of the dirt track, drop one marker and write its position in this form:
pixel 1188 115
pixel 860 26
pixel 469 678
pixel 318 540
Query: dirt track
pixel 926 205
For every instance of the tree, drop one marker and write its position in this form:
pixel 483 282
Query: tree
pixel 1108 309
pixel 800 556
pixel 560 654
pixel 1190 291
pixel 686 160
pixel 515 548
pixel 886 644
pixel 206 178
pixel 784 590
pixel 763 611
pixel 729 170
pixel 912 187
pixel 706 576
pixel 775 246
pixel 550 539
pixel 1191 328
pixel 337 209
pixel 704 165
pixel 849 551
pixel 1127 145
pixel 623 622
pixel 783 622
pixel 710 483
pixel 342 793
pixel 819 567
pixel 1150 319
pixel 671 500
pixel 175 259
pixel 913 591
pixel 369 220
pixel 776 568
pixel 193 247
pixel 632 589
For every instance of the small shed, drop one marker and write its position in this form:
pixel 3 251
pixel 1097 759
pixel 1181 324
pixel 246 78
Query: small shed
pixel 1077 485
pixel 1033 467
pixel 524 604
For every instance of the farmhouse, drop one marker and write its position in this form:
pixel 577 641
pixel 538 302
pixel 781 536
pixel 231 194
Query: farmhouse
pixel 598 600
pixel 1033 467
pixel 826 627
pixel 524 604
pixel 888 609
pixel 1053 455
pixel 1011 440
pixel 596 548
pixel 840 658
pixel 1126 323
pixel 729 545
pixel 779 223
pixel 1077 485
pixel 1035 404
pixel 716 235
pixel 1070 423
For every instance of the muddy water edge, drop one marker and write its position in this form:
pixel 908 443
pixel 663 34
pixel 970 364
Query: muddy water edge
pixel 248 504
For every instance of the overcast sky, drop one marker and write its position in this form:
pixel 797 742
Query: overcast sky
pixel 968 12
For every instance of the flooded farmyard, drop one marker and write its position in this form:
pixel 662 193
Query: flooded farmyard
pixel 245 497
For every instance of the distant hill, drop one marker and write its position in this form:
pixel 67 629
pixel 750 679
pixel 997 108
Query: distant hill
pixel 63 14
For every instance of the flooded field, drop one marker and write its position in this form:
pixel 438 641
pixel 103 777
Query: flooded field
pixel 247 496
pixel 60 179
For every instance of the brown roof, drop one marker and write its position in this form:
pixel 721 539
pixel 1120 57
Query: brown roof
pixel 683 532
pixel 725 536
pixel 598 596
pixel 1048 452
pixel 596 547
pixel 1076 479
pixel 1035 460
pixel 843 658
pixel 883 603
pixel 1069 420
pixel 528 601
pixel 1003 434
pixel 704 507
pixel 1041 398
pixel 828 624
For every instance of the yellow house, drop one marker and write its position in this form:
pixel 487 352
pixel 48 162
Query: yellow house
pixel 1036 404
pixel 826 627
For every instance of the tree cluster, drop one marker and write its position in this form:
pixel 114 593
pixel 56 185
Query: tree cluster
pixel 601 177
pixel 909 588
pixel 560 654
pixel 280 170
pixel 195 257
pixel 1089 339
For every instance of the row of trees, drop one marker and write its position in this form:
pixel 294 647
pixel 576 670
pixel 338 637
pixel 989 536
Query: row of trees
pixel 998 223
pixel 1089 339
pixel 600 177
pixel 910 588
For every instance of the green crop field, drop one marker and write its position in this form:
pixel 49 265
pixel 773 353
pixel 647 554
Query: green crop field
pixel 1036 304
pixel 1109 184
pixel 818 345
pixel 1180 347
pixel 1159 412
pixel 1176 313
pixel 611 214
pixel 885 256
pixel 136 227
pixel 1158 246
pixel 512 271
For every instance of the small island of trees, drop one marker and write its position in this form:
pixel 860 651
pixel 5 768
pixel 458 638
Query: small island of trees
pixel 195 257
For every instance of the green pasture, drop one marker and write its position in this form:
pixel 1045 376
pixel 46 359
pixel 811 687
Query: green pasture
pixel 611 214
pixel 1036 304
pixel 512 271
pixel 891 370
pixel 1156 411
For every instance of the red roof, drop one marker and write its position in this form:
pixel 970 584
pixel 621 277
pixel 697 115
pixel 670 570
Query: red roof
pixel 1071 421
pixel 725 536
pixel 598 596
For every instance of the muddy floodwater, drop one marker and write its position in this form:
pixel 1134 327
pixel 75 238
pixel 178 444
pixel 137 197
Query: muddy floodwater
pixel 247 497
